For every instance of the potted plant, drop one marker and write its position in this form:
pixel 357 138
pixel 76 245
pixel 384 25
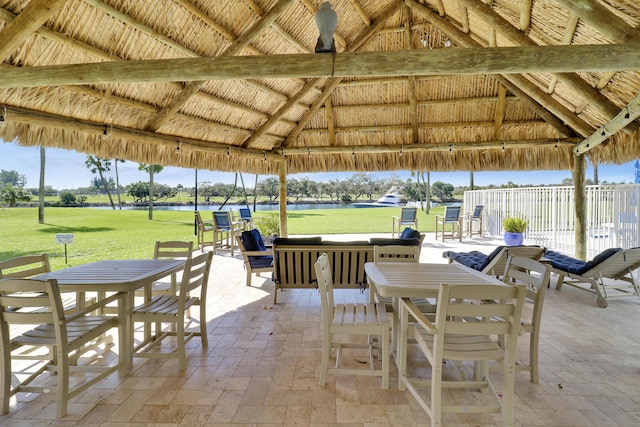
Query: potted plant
pixel 514 228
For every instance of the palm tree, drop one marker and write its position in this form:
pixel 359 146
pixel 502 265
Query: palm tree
pixel 118 183
pixel 151 170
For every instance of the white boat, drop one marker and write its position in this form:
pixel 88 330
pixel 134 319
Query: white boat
pixel 389 200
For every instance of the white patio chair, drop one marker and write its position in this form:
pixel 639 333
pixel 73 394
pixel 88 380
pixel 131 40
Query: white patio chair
pixel 452 338
pixel 535 276
pixel 350 320
pixel 172 309
pixel 62 336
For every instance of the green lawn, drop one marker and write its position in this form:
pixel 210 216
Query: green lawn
pixel 106 234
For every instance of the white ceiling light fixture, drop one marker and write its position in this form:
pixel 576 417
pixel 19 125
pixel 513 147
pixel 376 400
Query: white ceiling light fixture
pixel 327 21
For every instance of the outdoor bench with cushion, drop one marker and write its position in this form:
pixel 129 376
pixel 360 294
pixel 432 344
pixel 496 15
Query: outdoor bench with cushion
pixel 495 262
pixel 608 275
pixel 294 259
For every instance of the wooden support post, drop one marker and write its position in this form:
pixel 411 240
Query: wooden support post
pixel 283 200
pixel 579 166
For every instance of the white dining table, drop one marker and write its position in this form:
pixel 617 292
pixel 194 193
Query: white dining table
pixel 417 280
pixel 116 276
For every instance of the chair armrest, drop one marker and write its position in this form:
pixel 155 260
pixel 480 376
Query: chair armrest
pixel 257 253
pixel 418 315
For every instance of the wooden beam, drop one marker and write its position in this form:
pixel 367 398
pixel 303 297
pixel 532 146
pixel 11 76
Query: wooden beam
pixel 428 125
pixel 313 83
pixel 420 148
pixel 411 83
pixel 535 98
pixel 502 60
pixel 626 116
pixel 525 15
pixel 34 14
pixel 600 17
pixel 500 111
pixel 573 81
pixel 38 118
pixel 236 47
pixel 331 126
pixel 578 173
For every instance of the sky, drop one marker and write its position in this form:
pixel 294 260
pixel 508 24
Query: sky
pixel 65 169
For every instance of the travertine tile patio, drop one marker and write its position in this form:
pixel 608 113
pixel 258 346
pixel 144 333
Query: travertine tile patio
pixel 261 367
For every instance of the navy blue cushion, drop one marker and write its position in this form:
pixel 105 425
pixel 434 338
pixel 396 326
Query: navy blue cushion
pixel 576 266
pixel 382 241
pixel 261 261
pixel 252 240
pixel 350 243
pixel 410 233
pixel 297 241
pixel 474 259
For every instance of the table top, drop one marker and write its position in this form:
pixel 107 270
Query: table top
pixel 114 275
pixel 421 280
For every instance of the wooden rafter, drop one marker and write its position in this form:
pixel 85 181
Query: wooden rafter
pixel 541 103
pixel 570 79
pixel 628 114
pixel 35 13
pixel 604 21
pixel 313 83
pixel 569 32
pixel 66 40
pixel 411 83
pixel 500 111
pixel 525 15
pixel 236 47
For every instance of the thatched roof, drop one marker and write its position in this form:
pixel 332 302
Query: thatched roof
pixel 235 85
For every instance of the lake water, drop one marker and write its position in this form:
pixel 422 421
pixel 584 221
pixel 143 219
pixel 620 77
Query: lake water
pixel 274 208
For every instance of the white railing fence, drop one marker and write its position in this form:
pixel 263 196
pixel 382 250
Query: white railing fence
pixel 612 215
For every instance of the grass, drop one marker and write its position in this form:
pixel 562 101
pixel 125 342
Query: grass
pixel 105 234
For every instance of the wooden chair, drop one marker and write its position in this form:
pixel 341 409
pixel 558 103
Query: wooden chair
pixel 350 319
pixel 224 229
pixel 474 218
pixel 408 217
pixel 28 266
pixel 451 218
pixel 257 259
pixel 244 215
pixel 64 335
pixel 203 228
pixel 173 249
pixel 535 275
pixel 395 253
pixel 172 309
pixel 24 266
pixel 453 339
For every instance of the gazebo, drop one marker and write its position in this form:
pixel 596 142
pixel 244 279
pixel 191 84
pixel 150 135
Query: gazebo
pixel 236 85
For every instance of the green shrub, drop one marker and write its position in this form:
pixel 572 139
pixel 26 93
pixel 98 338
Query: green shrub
pixel 514 224
pixel 268 225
